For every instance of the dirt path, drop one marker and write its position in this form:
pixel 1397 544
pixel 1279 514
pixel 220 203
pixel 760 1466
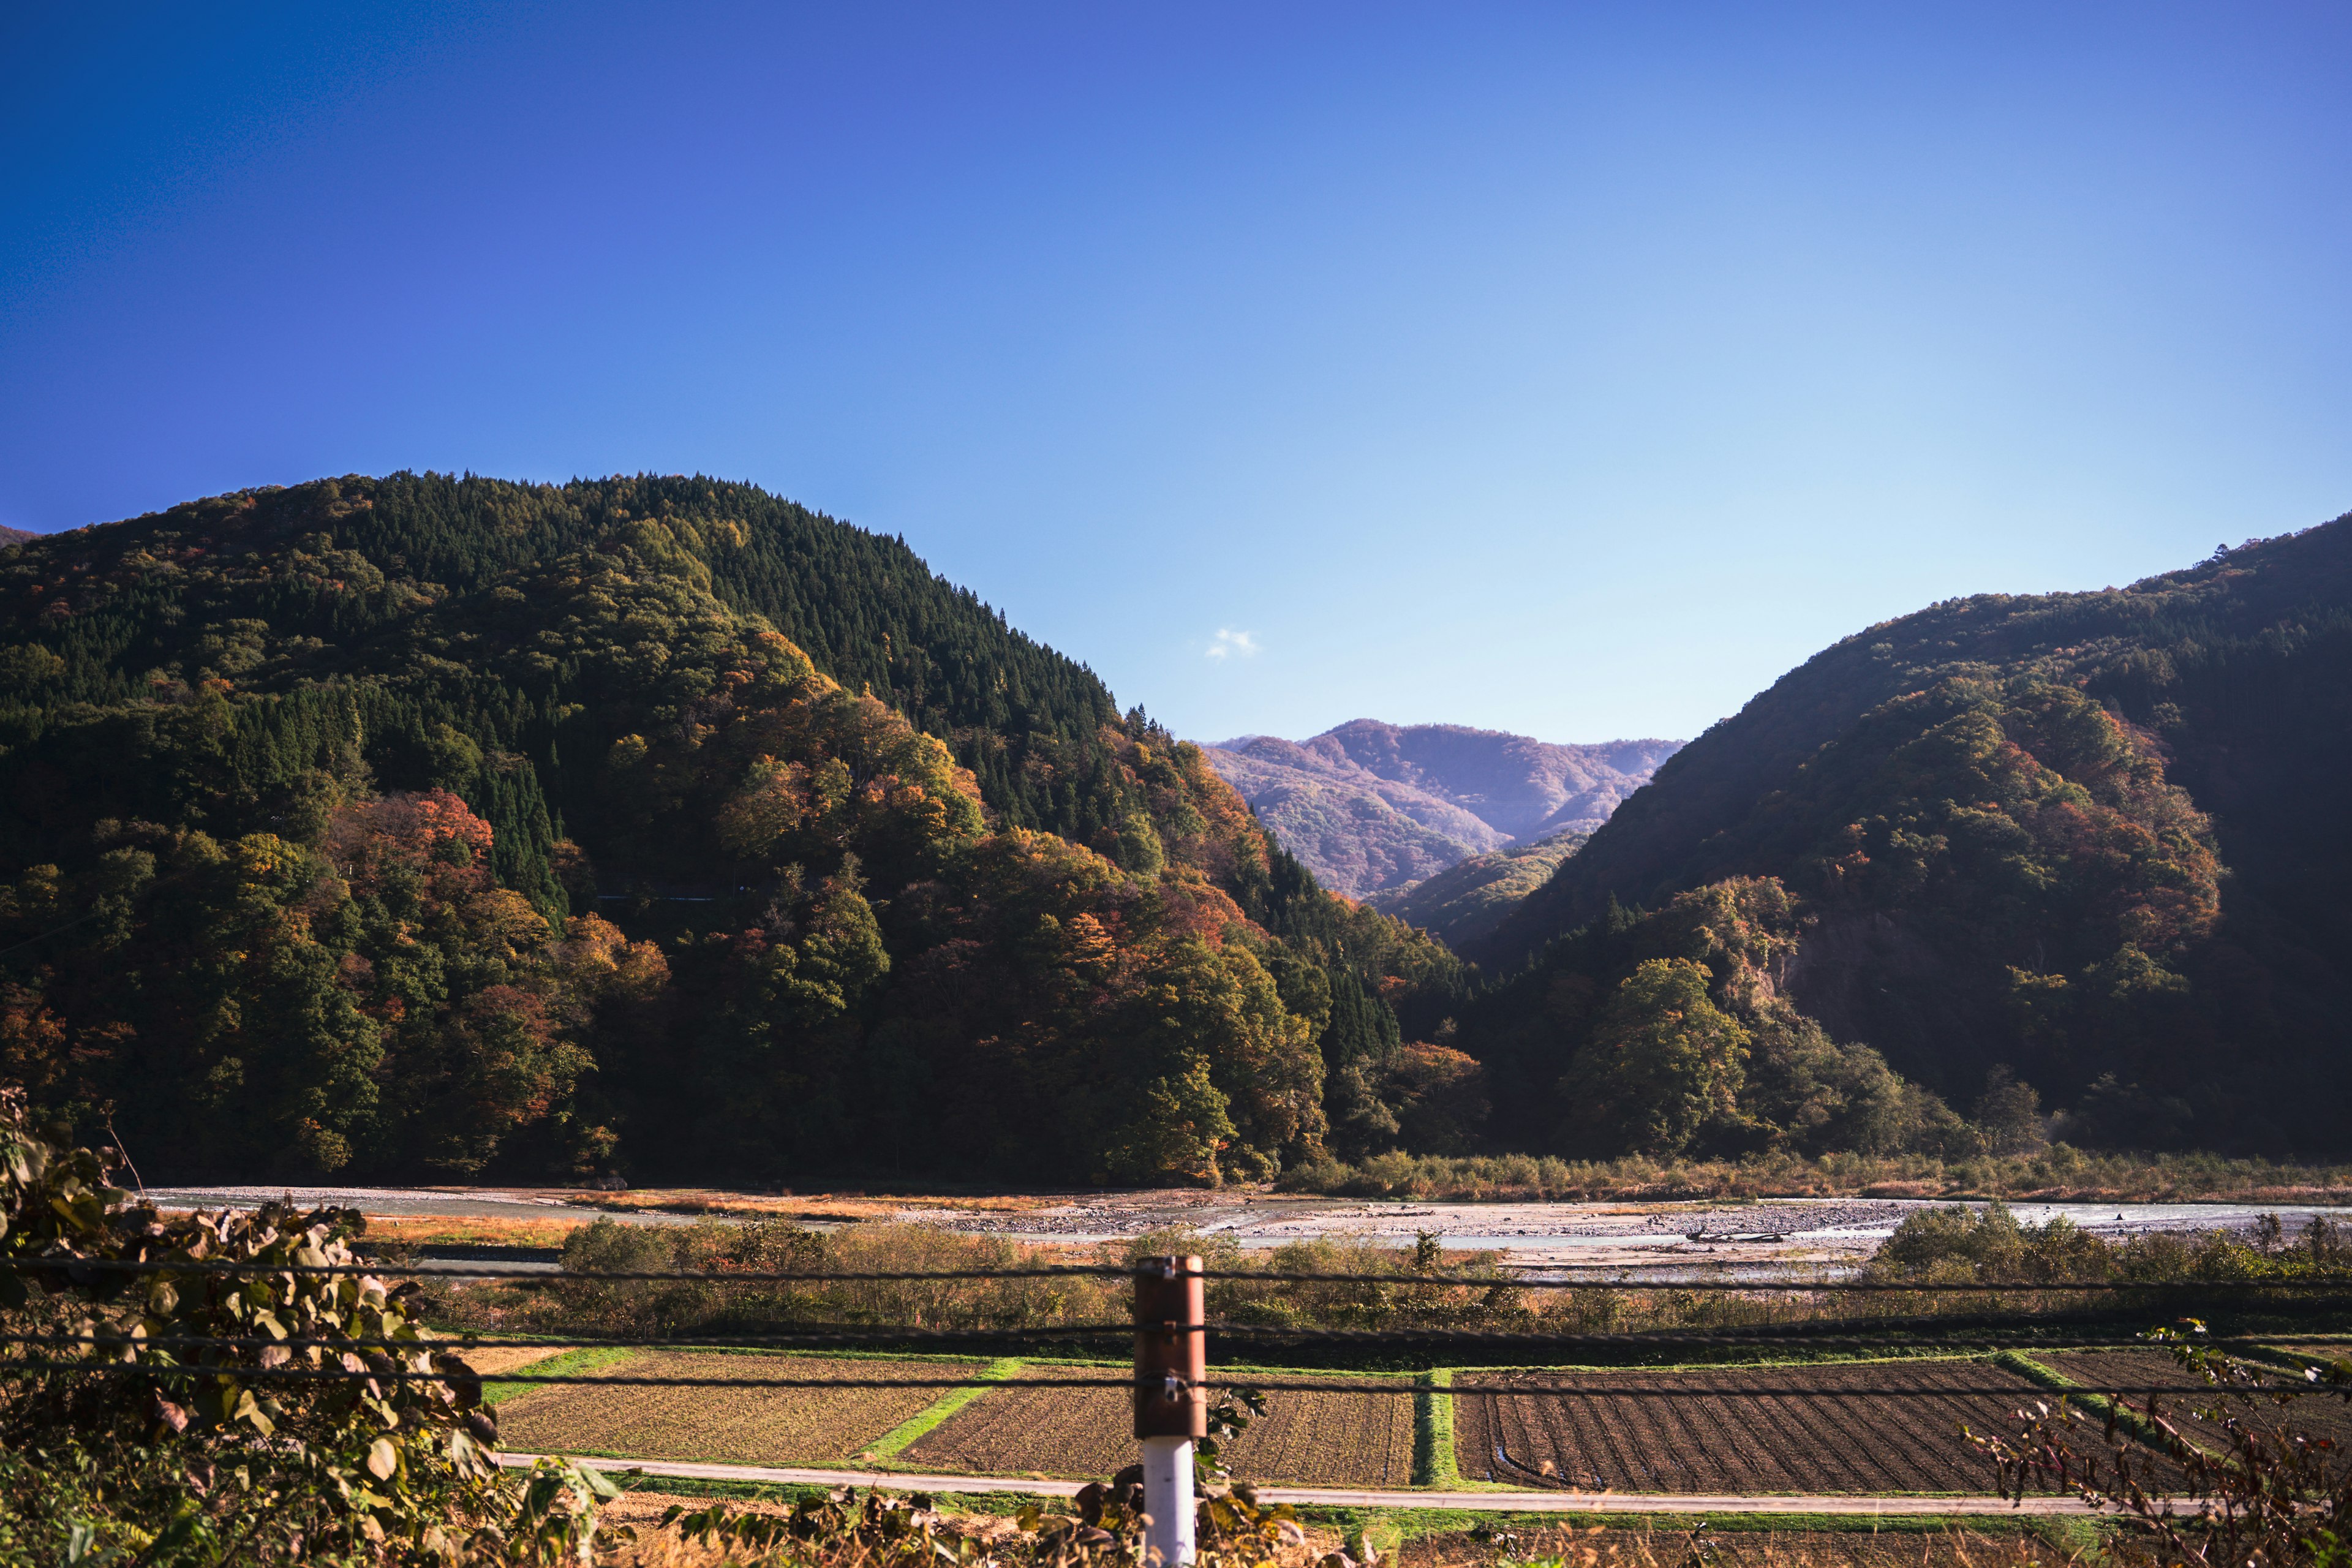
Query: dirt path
pixel 1843 1505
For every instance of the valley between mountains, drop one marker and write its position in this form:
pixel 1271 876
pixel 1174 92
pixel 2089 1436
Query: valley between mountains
pixel 428 828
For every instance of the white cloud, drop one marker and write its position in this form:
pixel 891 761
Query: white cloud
pixel 1233 645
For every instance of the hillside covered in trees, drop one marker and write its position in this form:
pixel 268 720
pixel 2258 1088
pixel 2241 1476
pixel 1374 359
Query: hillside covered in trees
pixel 426 826
pixel 431 825
pixel 1467 901
pixel 2087 850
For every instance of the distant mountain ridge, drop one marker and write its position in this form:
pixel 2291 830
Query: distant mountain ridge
pixel 1373 807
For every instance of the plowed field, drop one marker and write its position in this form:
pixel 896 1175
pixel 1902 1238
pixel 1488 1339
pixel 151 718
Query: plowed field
pixel 2322 1415
pixel 1306 1439
pixel 732 1426
pixel 1714 1436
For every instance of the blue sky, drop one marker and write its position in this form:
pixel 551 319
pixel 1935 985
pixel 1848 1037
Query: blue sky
pixel 1571 370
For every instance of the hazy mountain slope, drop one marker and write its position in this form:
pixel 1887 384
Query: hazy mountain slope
pixel 2097 836
pixel 1464 902
pixel 1358 832
pixel 1521 787
pixel 1373 806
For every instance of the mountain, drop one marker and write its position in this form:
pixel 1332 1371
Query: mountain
pixel 1463 904
pixel 9 536
pixel 1373 807
pixel 424 825
pixel 2092 843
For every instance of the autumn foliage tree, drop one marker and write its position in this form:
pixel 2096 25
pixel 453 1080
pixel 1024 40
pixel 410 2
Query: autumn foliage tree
pixel 434 827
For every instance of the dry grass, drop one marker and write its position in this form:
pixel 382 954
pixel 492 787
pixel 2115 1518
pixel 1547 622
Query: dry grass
pixel 493 1362
pixel 1675 1545
pixel 444 1230
pixel 732 1425
pixel 1667 1545
pixel 720 1202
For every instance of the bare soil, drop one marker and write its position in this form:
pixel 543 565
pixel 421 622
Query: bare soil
pixel 1711 1433
pixel 734 1426
pixel 1305 1439
pixel 2101 1372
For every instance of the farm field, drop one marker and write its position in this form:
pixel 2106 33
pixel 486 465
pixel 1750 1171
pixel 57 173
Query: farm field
pixel 2322 1415
pixel 2324 1349
pixel 1708 1432
pixel 736 1426
pixel 1716 1437
pixel 508 1358
pixel 1305 1439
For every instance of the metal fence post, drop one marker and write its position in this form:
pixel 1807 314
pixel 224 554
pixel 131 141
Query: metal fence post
pixel 1171 1407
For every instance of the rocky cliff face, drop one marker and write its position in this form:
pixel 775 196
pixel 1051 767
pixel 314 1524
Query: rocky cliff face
pixel 1373 807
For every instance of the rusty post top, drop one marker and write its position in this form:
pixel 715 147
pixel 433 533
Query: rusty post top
pixel 1171 1351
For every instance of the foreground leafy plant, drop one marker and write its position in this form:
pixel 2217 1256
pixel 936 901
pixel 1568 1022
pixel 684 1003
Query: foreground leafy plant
pixel 189 1413
pixel 2274 1494
pixel 1234 1531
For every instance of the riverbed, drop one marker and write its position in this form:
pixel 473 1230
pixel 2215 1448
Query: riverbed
pixel 1763 1238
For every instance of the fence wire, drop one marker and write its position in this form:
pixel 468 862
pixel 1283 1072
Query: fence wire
pixel 466 1272
pixel 1170 1386
pixel 463 1344
pixel 119 1352
pixel 1125 1271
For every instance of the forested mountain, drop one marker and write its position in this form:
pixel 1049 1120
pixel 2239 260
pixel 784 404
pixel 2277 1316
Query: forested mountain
pixel 2092 843
pixel 1467 901
pixel 1373 807
pixel 424 824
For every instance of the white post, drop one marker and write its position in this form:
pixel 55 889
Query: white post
pixel 1168 1499
pixel 1172 1406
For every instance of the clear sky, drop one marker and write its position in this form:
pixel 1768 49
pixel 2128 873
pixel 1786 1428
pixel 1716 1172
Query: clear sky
pixel 1567 369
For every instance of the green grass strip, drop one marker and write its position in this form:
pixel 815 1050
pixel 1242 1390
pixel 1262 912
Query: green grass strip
pixel 571 1364
pixel 2128 1421
pixel 931 1416
pixel 1433 1463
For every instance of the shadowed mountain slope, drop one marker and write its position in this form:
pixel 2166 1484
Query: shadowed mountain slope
pixel 2099 837
pixel 1464 902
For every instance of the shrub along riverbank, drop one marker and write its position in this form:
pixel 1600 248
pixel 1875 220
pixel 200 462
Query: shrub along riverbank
pixel 2055 1173
pixel 1415 1290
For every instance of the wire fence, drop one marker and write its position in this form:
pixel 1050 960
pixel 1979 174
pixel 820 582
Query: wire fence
pixel 1127 1271
pixel 1396 1385
pixel 264 1357
pixel 1499 1340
